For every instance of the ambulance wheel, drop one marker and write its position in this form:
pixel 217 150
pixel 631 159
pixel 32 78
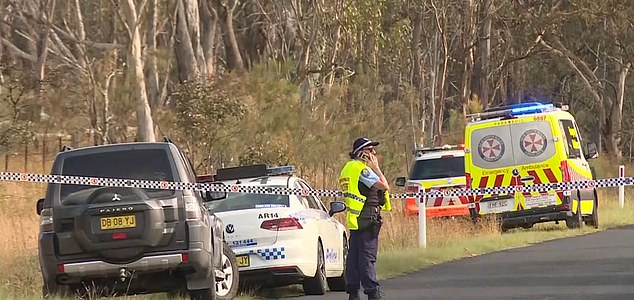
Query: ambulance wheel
pixel 317 285
pixel 575 220
pixel 593 220
pixel 338 284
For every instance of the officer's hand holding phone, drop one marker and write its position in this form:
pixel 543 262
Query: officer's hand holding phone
pixel 371 160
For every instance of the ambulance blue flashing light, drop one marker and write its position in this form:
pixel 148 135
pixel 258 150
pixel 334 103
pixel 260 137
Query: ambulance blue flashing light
pixel 530 108
pixel 281 170
pixel 515 110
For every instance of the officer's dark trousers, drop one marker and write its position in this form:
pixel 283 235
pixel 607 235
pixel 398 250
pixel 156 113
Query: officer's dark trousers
pixel 360 265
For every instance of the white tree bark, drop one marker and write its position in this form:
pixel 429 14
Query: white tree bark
pixel 145 124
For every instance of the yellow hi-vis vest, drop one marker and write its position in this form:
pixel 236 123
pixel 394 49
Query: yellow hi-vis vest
pixel 349 182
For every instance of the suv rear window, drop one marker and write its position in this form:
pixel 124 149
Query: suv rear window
pixel 143 164
pixel 438 168
pixel 240 201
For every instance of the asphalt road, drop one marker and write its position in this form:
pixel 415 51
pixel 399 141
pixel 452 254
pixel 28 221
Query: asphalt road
pixel 594 266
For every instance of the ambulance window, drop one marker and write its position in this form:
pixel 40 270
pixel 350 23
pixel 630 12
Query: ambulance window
pixel 572 140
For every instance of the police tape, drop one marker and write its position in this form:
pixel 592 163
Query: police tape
pixel 237 188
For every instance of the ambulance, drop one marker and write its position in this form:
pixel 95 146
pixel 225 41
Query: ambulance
pixel 440 169
pixel 526 144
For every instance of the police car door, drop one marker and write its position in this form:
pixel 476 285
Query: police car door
pixel 327 229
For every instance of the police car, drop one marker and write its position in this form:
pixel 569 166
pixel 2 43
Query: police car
pixel 441 169
pixel 282 239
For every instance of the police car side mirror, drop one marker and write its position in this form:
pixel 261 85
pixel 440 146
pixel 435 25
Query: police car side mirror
pixel 214 195
pixel 335 207
pixel 400 181
pixel 592 151
pixel 39 206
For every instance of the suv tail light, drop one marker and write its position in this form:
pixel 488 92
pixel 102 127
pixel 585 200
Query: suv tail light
pixel 281 224
pixel 46 220
pixel 192 207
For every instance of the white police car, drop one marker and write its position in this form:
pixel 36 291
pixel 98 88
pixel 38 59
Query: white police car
pixel 282 239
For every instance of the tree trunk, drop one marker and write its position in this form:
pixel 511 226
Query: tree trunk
pixel 42 53
pixel 185 53
pixel 234 58
pixel 418 110
pixel 613 137
pixel 151 73
pixel 441 24
pixel 469 26
pixel 209 27
pixel 482 65
pixel 145 124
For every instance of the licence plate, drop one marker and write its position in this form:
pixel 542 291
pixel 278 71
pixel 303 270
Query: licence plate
pixel 243 260
pixel 541 200
pixel 497 206
pixel 118 222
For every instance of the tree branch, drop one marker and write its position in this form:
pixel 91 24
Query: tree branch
pixel 17 51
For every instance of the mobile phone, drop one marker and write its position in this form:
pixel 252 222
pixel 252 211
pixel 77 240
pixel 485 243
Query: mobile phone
pixel 364 156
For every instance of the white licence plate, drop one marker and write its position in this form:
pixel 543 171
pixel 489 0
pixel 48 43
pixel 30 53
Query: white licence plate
pixel 497 206
pixel 540 200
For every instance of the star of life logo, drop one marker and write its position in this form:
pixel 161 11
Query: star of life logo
pixel 533 142
pixel 491 148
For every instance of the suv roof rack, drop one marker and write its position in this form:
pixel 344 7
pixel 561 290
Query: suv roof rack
pixel 251 171
pixel 509 111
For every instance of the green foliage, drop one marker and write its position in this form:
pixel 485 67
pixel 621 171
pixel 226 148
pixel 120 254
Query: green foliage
pixel 15 128
pixel 16 133
pixel 204 108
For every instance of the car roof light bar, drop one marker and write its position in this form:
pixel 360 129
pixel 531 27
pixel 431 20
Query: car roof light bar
pixel 513 110
pixel 420 151
pixel 281 170
pixel 260 170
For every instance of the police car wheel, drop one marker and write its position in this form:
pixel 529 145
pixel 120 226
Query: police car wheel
pixel 228 287
pixel 338 284
pixel 317 284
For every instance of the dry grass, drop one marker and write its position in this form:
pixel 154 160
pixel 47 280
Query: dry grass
pixel 18 236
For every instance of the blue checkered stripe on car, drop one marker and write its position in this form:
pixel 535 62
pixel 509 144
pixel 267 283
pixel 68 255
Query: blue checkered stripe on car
pixel 270 253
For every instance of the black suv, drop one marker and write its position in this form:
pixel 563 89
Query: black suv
pixel 124 240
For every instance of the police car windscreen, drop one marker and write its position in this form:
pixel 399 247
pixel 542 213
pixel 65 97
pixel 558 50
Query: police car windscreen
pixel 240 201
pixel 438 168
pixel 139 164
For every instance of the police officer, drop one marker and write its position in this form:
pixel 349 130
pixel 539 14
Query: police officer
pixel 366 192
